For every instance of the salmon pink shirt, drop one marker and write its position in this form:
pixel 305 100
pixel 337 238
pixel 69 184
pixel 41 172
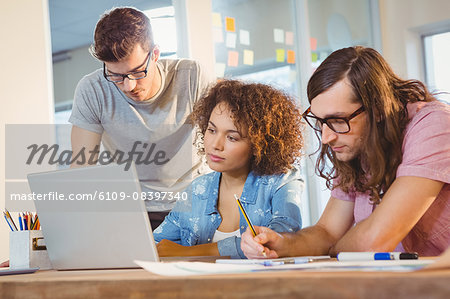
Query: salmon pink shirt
pixel 426 153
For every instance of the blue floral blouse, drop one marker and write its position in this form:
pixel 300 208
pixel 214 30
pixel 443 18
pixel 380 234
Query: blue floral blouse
pixel 272 201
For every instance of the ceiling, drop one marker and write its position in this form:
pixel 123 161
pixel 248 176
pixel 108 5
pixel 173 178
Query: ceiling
pixel 72 22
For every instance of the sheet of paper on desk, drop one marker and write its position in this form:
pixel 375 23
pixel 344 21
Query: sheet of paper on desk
pixel 195 268
pixel 200 268
pixel 389 266
pixel 284 260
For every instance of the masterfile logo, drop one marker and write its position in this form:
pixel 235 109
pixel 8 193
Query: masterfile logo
pixel 141 153
pixel 162 164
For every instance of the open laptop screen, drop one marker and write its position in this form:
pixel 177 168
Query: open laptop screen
pixel 92 217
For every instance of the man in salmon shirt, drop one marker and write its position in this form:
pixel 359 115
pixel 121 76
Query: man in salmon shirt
pixel 385 154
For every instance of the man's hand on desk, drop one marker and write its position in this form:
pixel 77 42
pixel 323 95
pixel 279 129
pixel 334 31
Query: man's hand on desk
pixel 169 248
pixel 266 240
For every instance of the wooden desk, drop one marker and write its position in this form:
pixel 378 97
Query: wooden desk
pixel 138 283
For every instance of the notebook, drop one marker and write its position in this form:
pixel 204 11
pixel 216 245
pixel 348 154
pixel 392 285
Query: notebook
pixel 92 217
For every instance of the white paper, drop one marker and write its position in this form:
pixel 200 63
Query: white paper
pixel 231 40
pixel 278 35
pixel 392 265
pixel 200 268
pixel 195 268
pixel 286 260
pixel 244 37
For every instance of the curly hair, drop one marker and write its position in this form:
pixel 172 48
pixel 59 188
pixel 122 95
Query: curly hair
pixel 271 116
pixel 118 32
pixel 384 97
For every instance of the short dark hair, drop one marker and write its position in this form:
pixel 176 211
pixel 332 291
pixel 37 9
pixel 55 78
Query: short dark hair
pixel 118 32
pixel 271 116
pixel 384 97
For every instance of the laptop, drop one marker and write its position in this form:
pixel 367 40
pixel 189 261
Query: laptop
pixel 92 217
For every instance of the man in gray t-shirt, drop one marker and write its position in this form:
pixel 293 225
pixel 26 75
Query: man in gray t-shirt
pixel 138 107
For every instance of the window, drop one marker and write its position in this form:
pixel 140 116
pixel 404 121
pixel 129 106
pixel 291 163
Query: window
pixel 72 27
pixel 164 30
pixel 437 62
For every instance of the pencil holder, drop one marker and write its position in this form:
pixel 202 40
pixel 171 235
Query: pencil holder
pixel 27 250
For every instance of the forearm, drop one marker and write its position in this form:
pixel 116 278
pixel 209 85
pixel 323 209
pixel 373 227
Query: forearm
pixel 403 205
pixel 204 249
pixel 169 248
pixel 85 147
pixel 367 236
pixel 314 240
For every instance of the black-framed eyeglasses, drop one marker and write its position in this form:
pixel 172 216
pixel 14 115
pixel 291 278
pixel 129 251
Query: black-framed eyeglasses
pixel 118 78
pixel 339 125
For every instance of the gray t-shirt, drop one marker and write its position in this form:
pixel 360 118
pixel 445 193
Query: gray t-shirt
pixel 156 133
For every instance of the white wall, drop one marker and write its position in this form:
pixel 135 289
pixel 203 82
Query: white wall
pixel 199 32
pixel 25 79
pixel 402 22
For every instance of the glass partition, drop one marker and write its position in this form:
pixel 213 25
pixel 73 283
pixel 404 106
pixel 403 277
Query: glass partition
pixel 265 41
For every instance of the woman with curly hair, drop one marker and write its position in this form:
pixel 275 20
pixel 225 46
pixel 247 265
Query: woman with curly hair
pixel 251 137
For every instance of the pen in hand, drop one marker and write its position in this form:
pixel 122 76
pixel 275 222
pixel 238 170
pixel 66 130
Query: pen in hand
pixel 241 207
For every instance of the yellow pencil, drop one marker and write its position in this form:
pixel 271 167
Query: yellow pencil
pixel 29 220
pixel 241 207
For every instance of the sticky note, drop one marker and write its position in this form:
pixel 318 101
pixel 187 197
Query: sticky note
pixel 314 57
pixel 278 35
pixel 244 37
pixel 292 76
pixel 217 35
pixel 216 20
pixel 280 55
pixel 313 43
pixel 291 56
pixel 231 40
pixel 248 57
pixel 220 69
pixel 289 38
pixel 233 58
pixel 229 24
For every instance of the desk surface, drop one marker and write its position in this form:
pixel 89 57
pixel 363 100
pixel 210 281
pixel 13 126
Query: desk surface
pixel 137 283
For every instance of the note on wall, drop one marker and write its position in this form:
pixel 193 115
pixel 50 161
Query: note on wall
pixel 231 40
pixel 289 38
pixel 229 24
pixel 292 76
pixel 233 58
pixel 220 69
pixel 313 43
pixel 248 57
pixel 314 57
pixel 217 20
pixel 278 35
pixel 290 56
pixel 280 55
pixel 217 35
pixel 244 37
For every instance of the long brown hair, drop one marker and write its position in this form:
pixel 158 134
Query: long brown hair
pixel 271 116
pixel 118 32
pixel 384 96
